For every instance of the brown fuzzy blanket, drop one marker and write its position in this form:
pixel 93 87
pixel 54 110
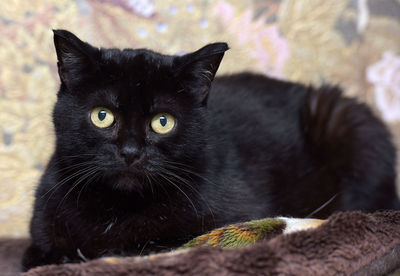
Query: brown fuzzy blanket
pixel 349 243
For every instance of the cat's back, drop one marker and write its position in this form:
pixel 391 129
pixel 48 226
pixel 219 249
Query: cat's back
pixel 256 110
pixel 292 135
pixel 250 90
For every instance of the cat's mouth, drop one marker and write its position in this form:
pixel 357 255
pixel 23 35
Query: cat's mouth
pixel 128 173
pixel 129 181
pixel 130 178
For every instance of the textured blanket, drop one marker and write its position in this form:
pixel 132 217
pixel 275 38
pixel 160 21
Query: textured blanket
pixel 350 243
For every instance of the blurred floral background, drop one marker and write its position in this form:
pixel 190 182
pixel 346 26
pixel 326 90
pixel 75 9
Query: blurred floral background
pixel 354 43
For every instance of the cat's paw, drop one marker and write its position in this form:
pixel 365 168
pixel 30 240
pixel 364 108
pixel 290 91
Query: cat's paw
pixel 34 256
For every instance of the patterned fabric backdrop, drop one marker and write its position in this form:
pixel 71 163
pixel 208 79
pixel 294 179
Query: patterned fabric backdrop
pixel 354 43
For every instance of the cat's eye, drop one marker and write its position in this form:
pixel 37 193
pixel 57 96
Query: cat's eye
pixel 162 123
pixel 102 117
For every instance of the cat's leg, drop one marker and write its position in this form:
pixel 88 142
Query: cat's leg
pixel 353 147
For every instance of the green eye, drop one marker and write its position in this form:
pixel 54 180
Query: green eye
pixel 162 123
pixel 102 117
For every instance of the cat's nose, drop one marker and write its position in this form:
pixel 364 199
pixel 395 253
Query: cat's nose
pixel 130 154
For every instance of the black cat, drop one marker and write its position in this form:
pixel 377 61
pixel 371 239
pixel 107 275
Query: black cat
pixel 151 151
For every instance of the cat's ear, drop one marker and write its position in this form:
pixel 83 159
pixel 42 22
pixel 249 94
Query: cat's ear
pixel 76 59
pixel 197 70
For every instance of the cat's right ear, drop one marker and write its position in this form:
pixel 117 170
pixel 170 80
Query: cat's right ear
pixel 76 59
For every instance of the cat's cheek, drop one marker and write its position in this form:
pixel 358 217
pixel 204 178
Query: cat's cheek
pixel 110 133
pixel 154 138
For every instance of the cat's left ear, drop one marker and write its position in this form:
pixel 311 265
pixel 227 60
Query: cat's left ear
pixel 197 70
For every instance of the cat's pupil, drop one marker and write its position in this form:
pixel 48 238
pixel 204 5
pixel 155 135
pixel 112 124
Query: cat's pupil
pixel 163 120
pixel 102 114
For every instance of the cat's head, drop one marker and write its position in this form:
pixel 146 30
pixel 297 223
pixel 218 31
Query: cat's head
pixel 132 115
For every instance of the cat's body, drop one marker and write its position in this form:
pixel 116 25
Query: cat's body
pixel 250 148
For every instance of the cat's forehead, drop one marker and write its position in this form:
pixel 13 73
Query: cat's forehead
pixel 139 59
pixel 138 69
pixel 130 77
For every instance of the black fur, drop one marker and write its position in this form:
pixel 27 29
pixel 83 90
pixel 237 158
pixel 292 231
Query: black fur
pixel 244 147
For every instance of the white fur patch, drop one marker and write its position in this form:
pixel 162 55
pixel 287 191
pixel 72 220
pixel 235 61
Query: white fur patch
pixel 299 224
